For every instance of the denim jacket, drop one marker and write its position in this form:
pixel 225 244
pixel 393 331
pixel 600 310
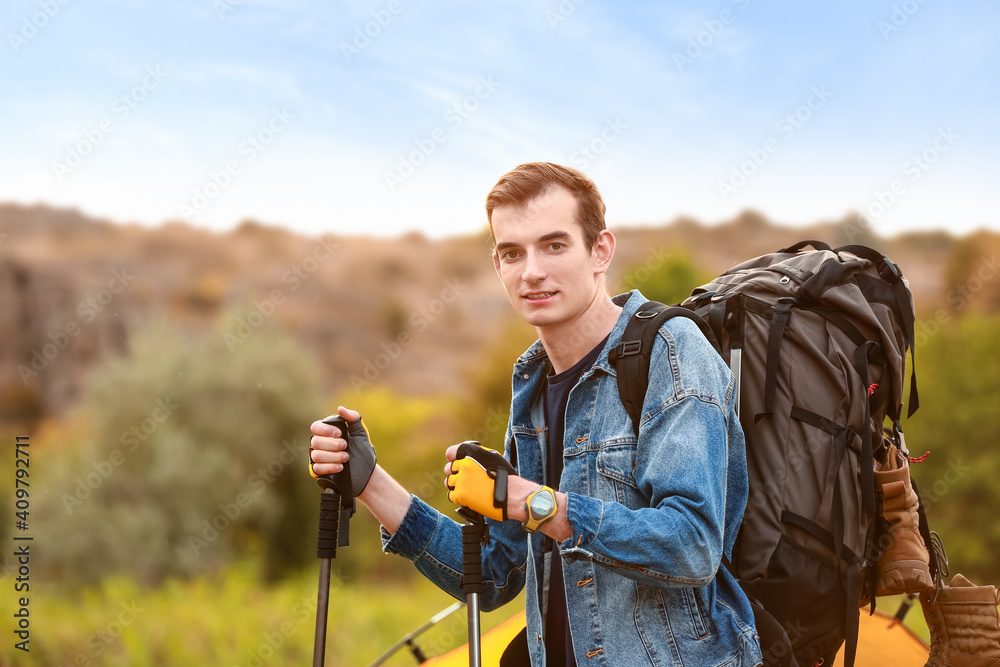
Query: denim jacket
pixel 651 517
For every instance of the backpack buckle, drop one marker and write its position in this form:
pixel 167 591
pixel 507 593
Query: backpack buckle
pixel 704 295
pixel 888 271
pixel 626 349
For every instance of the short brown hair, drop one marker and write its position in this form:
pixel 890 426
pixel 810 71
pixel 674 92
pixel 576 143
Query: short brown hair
pixel 525 182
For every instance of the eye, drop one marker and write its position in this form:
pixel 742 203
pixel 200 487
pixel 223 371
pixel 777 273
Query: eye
pixel 508 255
pixel 557 245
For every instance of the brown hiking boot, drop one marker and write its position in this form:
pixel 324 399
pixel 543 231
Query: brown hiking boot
pixel 903 565
pixel 965 628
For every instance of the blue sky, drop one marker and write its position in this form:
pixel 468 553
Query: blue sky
pixel 387 116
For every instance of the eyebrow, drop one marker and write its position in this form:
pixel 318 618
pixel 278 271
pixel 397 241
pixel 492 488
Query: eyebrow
pixel 551 236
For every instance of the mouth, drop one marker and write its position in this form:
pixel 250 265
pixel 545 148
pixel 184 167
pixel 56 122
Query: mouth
pixel 538 296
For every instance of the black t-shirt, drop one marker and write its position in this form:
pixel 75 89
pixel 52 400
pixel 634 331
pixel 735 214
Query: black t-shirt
pixel 560 654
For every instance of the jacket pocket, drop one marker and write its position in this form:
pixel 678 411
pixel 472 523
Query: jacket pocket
pixel 616 472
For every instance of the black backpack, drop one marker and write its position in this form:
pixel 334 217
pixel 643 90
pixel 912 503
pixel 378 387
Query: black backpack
pixel 817 341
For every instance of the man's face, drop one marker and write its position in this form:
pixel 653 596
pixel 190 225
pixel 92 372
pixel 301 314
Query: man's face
pixel 550 273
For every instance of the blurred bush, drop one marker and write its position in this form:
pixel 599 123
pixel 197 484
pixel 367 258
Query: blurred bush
pixel 187 452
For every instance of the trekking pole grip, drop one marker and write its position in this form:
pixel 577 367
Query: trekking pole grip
pixel 472 558
pixel 329 524
pixel 474 534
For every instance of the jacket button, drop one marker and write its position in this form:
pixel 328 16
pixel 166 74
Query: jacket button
pixel 526 376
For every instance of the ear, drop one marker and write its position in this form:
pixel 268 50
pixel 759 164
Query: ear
pixel 496 264
pixel 603 250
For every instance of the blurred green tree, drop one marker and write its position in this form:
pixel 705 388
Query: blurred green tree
pixel 971 273
pixel 667 277
pixel 188 452
pixel 959 372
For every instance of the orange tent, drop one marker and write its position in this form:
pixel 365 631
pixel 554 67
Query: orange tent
pixel 493 644
pixel 882 642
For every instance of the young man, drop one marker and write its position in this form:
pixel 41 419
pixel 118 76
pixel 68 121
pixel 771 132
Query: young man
pixel 621 552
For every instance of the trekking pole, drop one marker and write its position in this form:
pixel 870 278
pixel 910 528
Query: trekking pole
pixel 474 535
pixel 408 639
pixel 336 495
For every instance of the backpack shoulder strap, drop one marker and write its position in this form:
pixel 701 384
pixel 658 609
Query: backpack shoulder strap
pixel 631 357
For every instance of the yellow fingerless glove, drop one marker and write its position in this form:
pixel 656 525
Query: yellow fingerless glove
pixel 478 480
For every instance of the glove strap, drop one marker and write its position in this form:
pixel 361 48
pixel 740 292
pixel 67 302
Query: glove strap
pixel 500 491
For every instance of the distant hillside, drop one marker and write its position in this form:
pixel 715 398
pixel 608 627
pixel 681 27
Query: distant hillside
pixel 409 312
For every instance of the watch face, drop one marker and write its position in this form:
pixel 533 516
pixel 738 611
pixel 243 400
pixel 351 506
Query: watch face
pixel 542 504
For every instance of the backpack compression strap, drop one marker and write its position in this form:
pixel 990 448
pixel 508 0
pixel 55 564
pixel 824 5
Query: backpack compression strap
pixel 631 357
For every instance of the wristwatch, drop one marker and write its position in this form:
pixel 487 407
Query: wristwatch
pixel 540 507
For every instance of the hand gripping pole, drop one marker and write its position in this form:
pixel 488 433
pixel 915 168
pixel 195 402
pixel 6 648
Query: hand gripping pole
pixel 334 531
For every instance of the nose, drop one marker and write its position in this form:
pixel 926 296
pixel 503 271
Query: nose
pixel 534 268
